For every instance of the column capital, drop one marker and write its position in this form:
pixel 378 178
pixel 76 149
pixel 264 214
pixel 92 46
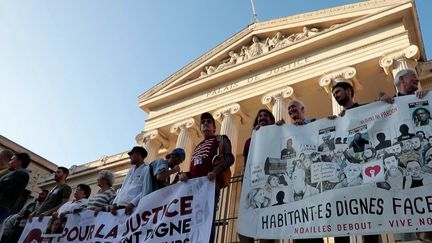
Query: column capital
pixel 402 59
pixel 232 109
pixel 145 136
pixel 188 123
pixel 346 74
pixel 284 93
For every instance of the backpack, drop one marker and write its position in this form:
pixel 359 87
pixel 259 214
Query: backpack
pixel 224 178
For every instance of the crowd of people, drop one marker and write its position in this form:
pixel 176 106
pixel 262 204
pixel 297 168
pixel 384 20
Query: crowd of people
pixel 143 178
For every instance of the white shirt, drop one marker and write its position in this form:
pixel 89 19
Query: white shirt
pixel 72 205
pixel 131 189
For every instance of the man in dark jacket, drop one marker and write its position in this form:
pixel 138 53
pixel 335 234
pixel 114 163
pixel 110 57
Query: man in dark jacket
pixel 13 184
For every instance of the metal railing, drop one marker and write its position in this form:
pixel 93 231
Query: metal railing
pixel 227 213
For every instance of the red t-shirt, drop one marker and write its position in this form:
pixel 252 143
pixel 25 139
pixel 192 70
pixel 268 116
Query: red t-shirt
pixel 201 163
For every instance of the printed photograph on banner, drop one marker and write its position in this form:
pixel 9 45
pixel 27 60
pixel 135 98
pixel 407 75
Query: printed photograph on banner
pixel 381 142
pixel 276 166
pixel 258 198
pixel 276 188
pixel 373 172
pixel 404 131
pixel 326 141
pixel 55 227
pixel 288 150
pixel 358 139
pixel 300 188
pixel 420 113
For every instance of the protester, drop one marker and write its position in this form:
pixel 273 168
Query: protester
pixel 406 83
pixel 57 196
pixel 14 224
pixel 13 184
pixel 160 171
pixel 263 118
pixel 296 111
pixel 205 154
pixel 81 195
pixel 130 191
pixel 102 200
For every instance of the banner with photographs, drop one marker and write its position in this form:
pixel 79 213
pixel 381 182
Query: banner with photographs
pixel 179 213
pixel 368 172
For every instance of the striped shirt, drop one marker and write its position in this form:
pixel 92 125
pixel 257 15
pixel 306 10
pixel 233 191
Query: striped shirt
pixel 102 199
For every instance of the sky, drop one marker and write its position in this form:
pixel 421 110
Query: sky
pixel 71 71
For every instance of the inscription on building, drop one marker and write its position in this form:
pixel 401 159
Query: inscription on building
pixel 260 76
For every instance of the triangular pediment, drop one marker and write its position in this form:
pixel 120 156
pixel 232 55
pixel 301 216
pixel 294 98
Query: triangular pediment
pixel 262 39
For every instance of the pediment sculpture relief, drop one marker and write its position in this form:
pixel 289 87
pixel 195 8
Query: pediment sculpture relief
pixel 259 47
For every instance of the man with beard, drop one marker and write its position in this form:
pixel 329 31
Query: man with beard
pixel 406 82
pixel 130 191
pixel 205 154
pixel 343 93
pixel 57 196
pixel 263 118
pixel 393 173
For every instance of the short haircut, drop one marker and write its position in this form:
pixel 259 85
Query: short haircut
pixel 6 153
pixel 298 102
pixel 402 73
pixel 86 189
pixel 24 158
pixel 64 169
pixel 344 85
pixel 108 176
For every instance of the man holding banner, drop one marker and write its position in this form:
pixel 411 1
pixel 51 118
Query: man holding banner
pixel 130 191
pixel 205 153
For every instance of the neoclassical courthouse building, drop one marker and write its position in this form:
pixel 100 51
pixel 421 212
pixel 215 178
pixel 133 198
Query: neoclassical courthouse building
pixel 264 66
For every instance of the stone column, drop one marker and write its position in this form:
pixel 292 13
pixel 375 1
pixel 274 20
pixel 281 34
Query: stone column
pixel 277 102
pixel 187 131
pixel 328 80
pixel 152 141
pixel 230 117
pixel 403 59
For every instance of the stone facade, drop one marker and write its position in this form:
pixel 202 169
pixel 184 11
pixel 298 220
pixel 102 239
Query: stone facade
pixel 267 64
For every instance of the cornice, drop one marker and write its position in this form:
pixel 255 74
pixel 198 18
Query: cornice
pixel 39 160
pixel 361 8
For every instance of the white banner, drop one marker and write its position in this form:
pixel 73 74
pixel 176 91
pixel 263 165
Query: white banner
pixel 368 172
pixel 176 214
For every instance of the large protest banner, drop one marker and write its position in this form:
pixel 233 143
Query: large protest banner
pixel 176 214
pixel 368 172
